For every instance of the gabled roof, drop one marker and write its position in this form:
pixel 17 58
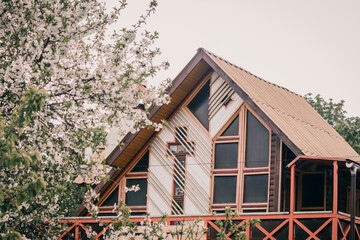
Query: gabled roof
pixel 290 112
pixel 288 115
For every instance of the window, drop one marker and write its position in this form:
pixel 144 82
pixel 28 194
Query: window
pixel 225 189
pixel 232 129
pixel 137 201
pixel 312 195
pixel 112 198
pixel 257 143
pixel 226 155
pixel 199 105
pixel 226 163
pixel 241 164
pixel 255 188
pixel 137 198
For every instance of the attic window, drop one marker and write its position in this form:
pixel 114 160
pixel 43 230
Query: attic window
pixel 199 105
pixel 226 100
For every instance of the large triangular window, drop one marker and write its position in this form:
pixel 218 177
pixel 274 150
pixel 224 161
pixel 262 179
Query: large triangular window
pixel 199 105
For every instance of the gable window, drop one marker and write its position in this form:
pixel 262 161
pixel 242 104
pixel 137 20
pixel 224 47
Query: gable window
pixel 241 164
pixel 137 200
pixel 225 168
pixel 256 166
pixel 199 105
pixel 257 143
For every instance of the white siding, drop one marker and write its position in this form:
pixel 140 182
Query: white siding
pixel 219 114
pixel 198 168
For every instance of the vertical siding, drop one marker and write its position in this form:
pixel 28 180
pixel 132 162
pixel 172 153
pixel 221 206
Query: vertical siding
pixel 218 113
pixel 274 174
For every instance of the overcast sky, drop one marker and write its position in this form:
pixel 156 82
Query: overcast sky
pixel 305 46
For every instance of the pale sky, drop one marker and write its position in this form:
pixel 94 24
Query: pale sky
pixel 305 46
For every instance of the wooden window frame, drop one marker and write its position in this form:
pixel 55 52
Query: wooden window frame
pixel 121 183
pixel 218 139
pixel 190 97
pixel 300 190
pixel 253 170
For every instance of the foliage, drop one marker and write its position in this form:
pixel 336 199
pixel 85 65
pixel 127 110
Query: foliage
pixel 335 115
pixel 122 227
pixel 228 226
pixel 64 80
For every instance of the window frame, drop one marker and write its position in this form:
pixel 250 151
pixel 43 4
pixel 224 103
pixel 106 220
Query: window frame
pixel 191 96
pixel 254 170
pixel 235 172
pixel 121 183
pixel 300 191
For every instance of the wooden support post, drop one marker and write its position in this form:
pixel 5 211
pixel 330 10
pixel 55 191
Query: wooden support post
pixel 353 200
pixel 292 202
pixel 249 232
pixel 77 232
pixel 335 201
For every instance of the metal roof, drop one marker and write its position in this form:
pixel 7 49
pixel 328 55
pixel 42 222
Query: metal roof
pixel 291 113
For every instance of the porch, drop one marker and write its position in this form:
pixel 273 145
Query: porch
pixel 316 204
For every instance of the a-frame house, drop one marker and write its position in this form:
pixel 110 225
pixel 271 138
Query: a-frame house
pixel 234 139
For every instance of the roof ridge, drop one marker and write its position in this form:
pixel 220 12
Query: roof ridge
pixel 215 55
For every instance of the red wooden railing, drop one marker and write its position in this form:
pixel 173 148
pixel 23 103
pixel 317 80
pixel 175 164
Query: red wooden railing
pixel 305 225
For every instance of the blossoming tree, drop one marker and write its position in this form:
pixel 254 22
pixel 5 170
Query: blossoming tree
pixel 64 79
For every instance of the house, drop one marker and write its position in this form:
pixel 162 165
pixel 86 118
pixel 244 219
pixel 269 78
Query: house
pixel 234 139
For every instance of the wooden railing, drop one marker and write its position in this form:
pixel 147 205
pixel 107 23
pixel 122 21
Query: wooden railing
pixel 306 225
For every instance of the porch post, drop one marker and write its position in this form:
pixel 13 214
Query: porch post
pixel 292 202
pixel 335 200
pixel 353 170
pixel 353 200
pixel 77 233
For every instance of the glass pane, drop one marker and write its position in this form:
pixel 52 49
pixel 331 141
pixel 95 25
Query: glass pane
pixel 313 190
pixel 112 198
pixel 232 129
pixel 226 155
pixel 257 143
pixel 225 189
pixel 255 188
pixel 136 198
pixel 143 164
pixel 199 106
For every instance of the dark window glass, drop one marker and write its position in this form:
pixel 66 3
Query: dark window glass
pixel 232 129
pixel 112 198
pixel 143 164
pixel 225 189
pixel 253 210
pixel 226 155
pixel 255 188
pixel 312 190
pixel 136 198
pixel 199 105
pixel 257 143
